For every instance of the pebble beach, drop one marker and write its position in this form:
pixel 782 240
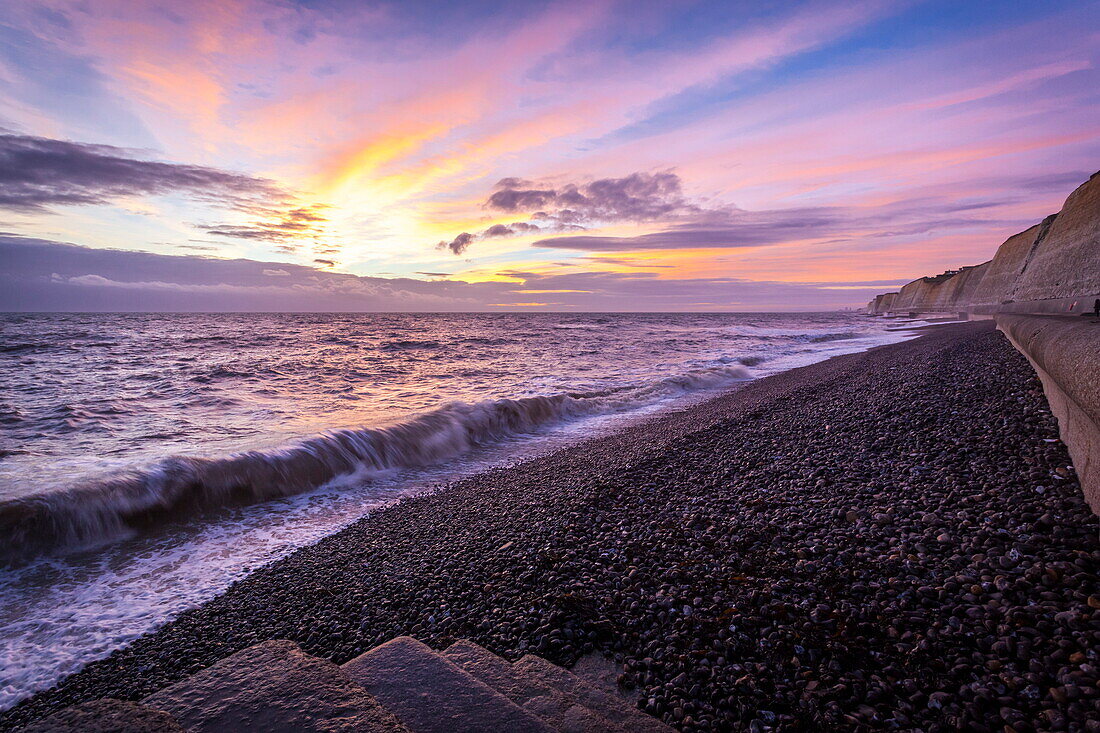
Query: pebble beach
pixel 893 539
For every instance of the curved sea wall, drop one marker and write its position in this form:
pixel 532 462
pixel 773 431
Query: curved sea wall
pixel 1037 286
pixel 1065 354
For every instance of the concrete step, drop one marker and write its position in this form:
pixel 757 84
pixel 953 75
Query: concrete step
pixel 401 686
pixel 560 711
pixel 273 687
pixel 430 694
pixel 603 673
pixel 610 705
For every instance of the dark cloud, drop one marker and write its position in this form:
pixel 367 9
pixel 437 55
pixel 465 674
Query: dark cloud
pixel 325 263
pixel 627 261
pixel 520 274
pixel 498 230
pixel 459 244
pixel 38 172
pixel 242 232
pixel 40 275
pixel 637 197
pixel 576 206
pixel 1054 182
pixel 527 199
pixel 462 242
pixel 872 283
pixel 744 229
pixel 509 230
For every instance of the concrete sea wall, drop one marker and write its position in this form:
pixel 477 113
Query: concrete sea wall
pixel 1037 286
pixel 1065 354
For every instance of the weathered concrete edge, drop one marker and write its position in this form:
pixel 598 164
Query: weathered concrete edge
pixel 1066 356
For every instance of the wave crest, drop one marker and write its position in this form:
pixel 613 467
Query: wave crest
pixel 94 513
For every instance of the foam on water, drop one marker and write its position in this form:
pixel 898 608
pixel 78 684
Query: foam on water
pixel 148 462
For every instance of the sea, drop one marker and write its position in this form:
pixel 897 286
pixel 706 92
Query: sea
pixel 148 461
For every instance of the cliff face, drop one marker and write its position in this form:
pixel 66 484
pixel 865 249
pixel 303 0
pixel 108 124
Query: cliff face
pixel 1066 262
pixel 963 286
pixel 1000 277
pixel 1051 267
pixel 909 294
pixel 927 294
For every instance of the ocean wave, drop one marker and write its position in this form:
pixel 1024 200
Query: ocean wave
pixel 222 372
pixel 485 341
pixel 209 402
pixel 408 344
pixel 826 337
pixel 69 418
pixel 23 347
pixel 10 415
pixel 95 513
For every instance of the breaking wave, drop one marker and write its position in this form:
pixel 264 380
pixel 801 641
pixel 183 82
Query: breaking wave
pixel 825 338
pixel 94 513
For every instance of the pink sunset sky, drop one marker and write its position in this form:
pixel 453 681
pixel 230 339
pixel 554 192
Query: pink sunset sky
pixel 337 155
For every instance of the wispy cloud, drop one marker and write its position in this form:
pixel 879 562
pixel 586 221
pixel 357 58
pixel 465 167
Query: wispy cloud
pixel 37 173
pixel 42 275
pixel 283 226
pixel 643 198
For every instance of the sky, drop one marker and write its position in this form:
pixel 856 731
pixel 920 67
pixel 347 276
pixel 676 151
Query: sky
pixel 333 155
